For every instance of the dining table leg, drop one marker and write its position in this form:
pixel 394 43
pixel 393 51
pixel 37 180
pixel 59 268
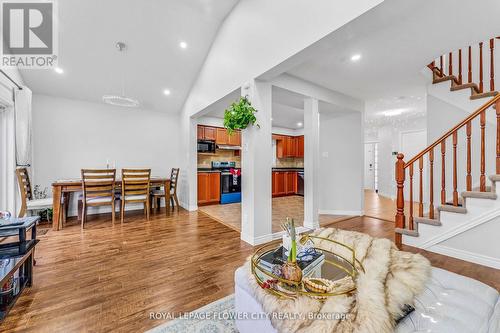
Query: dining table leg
pixel 56 205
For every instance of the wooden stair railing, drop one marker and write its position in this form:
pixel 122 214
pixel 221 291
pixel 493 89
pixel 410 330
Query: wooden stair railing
pixel 401 167
pixel 457 82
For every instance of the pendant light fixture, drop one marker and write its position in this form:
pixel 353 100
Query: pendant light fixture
pixel 121 100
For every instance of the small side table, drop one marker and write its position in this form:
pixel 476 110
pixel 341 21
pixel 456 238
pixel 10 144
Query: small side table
pixel 17 226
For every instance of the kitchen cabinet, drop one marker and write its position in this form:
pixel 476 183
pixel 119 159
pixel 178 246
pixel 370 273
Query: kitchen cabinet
pixel 208 188
pixel 206 132
pixel 289 146
pixel 284 183
pixel 235 138
pixel 222 137
pixel 290 182
pixel 279 183
pixel 300 146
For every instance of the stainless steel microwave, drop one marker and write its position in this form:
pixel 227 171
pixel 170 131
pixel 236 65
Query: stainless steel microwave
pixel 205 146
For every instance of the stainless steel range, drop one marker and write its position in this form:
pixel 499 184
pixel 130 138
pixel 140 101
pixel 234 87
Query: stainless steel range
pixel 230 181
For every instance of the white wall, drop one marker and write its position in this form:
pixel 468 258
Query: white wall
pixel 70 135
pixel 341 163
pixel 388 137
pixel 441 117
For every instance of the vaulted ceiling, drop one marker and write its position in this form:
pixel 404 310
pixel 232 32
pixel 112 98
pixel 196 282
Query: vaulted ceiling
pixel 153 60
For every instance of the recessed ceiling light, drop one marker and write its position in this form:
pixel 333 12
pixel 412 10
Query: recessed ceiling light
pixel 183 45
pixel 166 92
pixel 394 112
pixel 299 124
pixel 59 70
pixel 356 57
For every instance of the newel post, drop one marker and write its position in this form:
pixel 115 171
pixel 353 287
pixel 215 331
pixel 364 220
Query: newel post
pixel 400 201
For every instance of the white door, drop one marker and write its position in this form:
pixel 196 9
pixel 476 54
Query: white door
pixel 370 166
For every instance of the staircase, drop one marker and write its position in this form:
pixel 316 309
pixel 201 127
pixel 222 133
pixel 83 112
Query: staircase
pixel 431 222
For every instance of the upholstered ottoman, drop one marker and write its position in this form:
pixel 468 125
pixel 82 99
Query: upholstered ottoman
pixel 451 303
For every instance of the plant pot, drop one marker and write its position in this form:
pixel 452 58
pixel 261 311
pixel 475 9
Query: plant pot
pixel 291 271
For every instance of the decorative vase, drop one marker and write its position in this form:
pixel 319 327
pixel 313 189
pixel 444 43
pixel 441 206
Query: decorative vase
pixel 291 271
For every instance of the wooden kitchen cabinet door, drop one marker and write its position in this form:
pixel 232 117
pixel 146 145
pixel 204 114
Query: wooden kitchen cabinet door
pixel 203 188
pixel 290 146
pixel 210 133
pixel 201 132
pixel 208 188
pixel 235 138
pixel 300 146
pixel 290 182
pixel 222 137
pixel 280 183
pixel 214 187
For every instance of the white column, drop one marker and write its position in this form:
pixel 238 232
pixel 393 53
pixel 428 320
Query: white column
pixel 256 168
pixel 311 163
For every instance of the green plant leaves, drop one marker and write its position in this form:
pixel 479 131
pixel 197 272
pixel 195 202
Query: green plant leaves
pixel 239 115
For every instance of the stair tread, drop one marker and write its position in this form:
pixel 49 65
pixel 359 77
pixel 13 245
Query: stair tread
pixel 445 78
pixel 479 195
pixel 494 178
pixel 408 232
pixel 427 220
pixel 452 209
pixel 484 95
pixel 465 86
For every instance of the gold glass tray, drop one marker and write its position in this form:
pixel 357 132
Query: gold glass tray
pixel 340 269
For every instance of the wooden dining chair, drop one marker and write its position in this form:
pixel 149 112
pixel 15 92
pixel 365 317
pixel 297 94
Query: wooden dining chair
pixel 158 194
pixel 135 188
pixel 98 190
pixel 28 202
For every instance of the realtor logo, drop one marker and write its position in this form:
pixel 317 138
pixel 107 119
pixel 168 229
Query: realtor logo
pixel 28 34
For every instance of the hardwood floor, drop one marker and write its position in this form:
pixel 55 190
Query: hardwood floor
pixel 282 207
pixel 109 278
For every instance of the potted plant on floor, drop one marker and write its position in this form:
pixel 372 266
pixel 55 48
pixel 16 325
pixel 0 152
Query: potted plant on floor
pixel 239 115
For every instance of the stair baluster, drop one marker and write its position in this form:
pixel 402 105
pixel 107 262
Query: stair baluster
pixel 455 192
pixel 431 184
pixel 492 65
pixel 482 179
pixel 443 172
pixel 481 84
pixel 497 109
pixel 468 179
pixel 460 66
pixel 469 78
pixel 410 218
pixel 400 202
pixel 450 64
pixel 421 186
pixel 441 65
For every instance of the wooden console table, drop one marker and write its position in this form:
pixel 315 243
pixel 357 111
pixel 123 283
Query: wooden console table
pixel 64 188
pixel 16 272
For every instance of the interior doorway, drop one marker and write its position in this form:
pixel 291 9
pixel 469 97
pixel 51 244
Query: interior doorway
pixel 371 166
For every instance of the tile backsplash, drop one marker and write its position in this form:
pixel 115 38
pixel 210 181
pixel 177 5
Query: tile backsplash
pixel 205 160
pixel 289 162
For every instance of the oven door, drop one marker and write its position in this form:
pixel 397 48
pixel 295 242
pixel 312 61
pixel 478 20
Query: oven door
pixel 230 183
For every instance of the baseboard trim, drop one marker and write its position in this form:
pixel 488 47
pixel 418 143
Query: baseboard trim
pixel 341 212
pixel 473 257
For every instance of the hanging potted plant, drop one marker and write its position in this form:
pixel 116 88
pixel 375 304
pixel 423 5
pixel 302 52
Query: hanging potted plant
pixel 239 115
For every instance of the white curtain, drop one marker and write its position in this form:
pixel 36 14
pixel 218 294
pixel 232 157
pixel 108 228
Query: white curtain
pixel 22 102
pixel 8 182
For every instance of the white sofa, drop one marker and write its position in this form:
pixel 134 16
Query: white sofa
pixel 451 303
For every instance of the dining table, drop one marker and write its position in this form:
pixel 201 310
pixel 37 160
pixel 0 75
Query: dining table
pixel 63 188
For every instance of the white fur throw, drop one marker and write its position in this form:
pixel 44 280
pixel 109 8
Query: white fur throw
pixel 391 279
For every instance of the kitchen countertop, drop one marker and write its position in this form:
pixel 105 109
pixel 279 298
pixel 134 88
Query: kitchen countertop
pixel 208 170
pixel 288 169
